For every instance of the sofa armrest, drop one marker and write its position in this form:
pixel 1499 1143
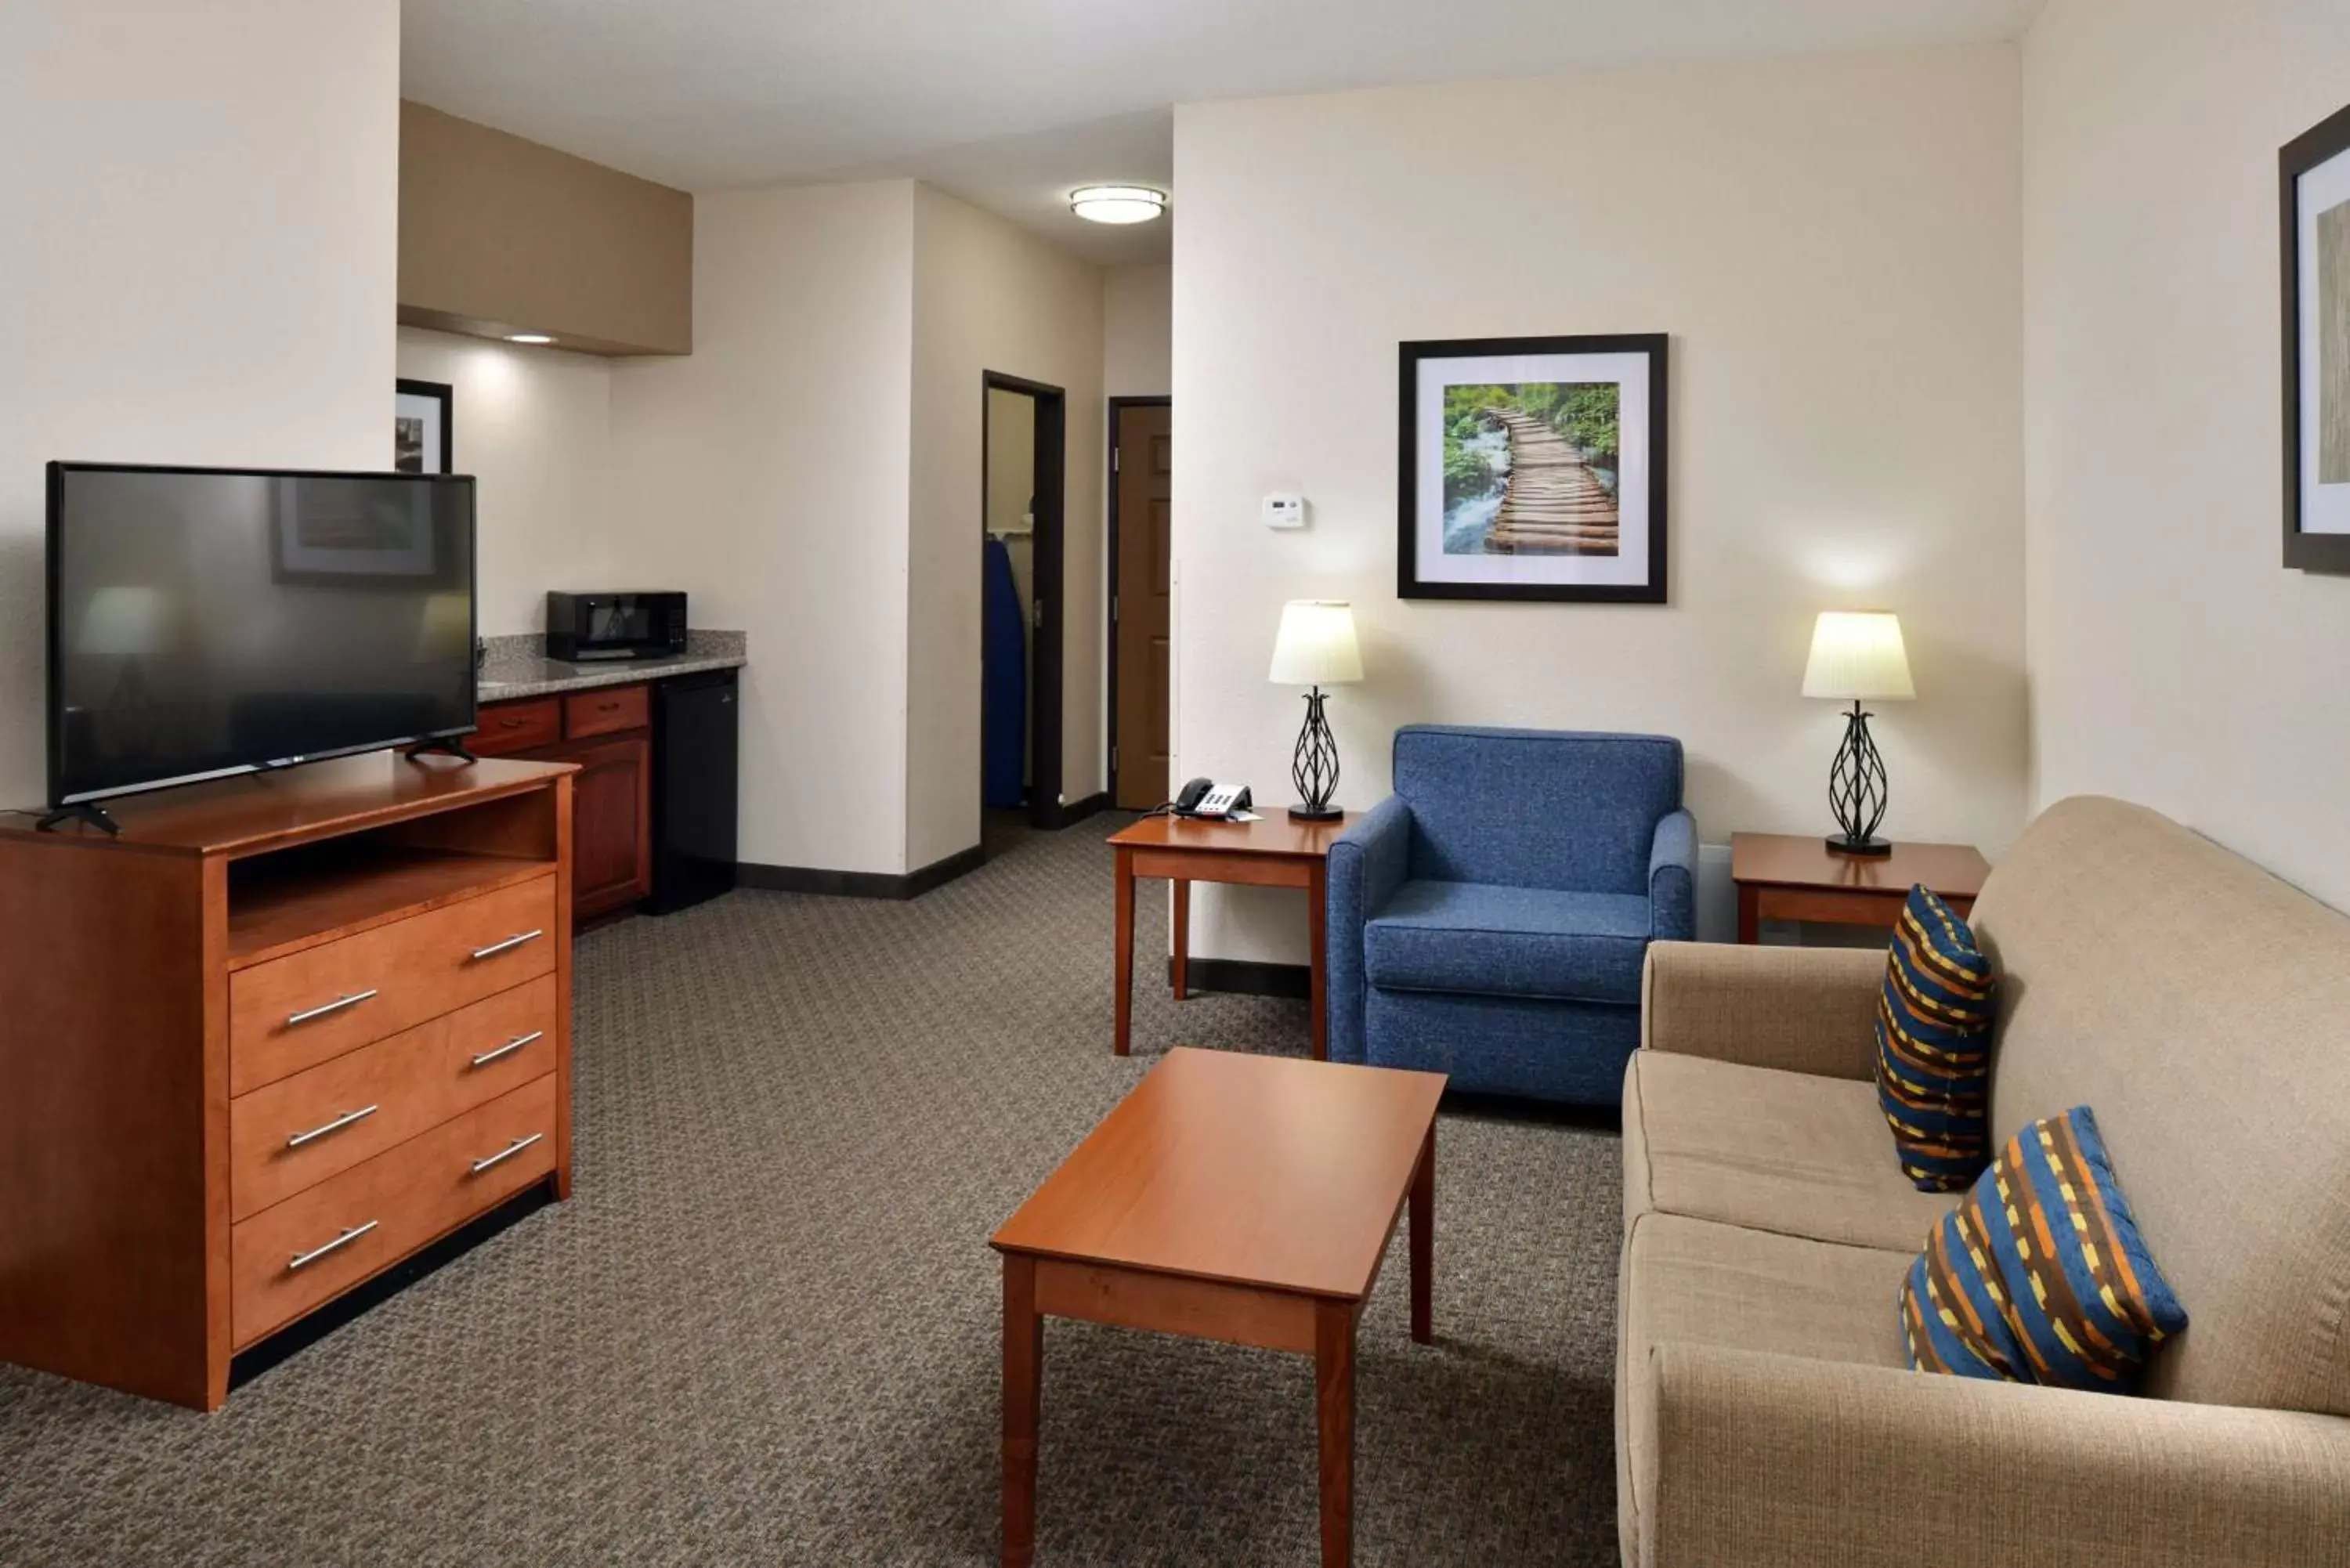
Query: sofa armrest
pixel 1672 879
pixel 1368 861
pixel 1773 1460
pixel 1801 1010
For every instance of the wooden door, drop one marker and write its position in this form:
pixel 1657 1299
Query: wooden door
pixel 611 822
pixel 1142 650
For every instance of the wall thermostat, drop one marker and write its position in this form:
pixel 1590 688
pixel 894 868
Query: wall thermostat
pixel 1284 511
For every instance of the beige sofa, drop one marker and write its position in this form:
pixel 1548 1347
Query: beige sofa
pixel 1764 1411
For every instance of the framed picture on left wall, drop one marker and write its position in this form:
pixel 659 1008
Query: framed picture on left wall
pixel 2316 201
pixel 421 436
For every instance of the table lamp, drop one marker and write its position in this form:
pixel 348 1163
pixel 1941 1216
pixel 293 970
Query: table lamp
pixel 1315 647
pixel 1857 657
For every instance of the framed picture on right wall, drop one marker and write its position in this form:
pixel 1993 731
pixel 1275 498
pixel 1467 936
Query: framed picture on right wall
pixel 2315 199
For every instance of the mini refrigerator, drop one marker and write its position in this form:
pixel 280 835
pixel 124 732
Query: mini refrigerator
pixel 696 751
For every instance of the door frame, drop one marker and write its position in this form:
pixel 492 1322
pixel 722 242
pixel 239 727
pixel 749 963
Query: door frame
pixel 1109 605
pixel 1045 562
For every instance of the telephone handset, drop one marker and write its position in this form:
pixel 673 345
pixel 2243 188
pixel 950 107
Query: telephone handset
pixel 1206 797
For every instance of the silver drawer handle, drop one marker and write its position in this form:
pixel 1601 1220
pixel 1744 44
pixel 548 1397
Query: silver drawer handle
pixel 509 1048
pixel 353 999
pixel 506 1153
pixel 304 1259
pixel 497 947
pixel 338 1125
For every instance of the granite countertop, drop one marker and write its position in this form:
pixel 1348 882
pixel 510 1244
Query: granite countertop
pixel 517 666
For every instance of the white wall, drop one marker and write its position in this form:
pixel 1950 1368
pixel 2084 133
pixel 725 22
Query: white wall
pixel 767 476
pixel 1834 244
pixel 1138 329
pixel 196 265
pixel 534 426
pixel 2173 659
pixel 990 296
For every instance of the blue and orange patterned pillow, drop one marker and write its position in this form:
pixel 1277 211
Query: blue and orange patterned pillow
pixel 2039 1275
pixel 1933 1047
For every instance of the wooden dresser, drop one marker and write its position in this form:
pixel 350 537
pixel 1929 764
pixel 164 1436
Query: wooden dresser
pixel 284 1033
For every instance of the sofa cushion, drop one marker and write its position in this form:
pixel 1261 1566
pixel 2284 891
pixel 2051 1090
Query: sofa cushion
pixel 2039 1275
pixel 2197 1003
pixel 1785 1152
pixel 1933 1047
pixel 1691 1281
pixel 1491 941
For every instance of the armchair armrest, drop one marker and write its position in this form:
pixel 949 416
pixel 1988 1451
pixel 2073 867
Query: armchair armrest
pixel 1801 1010
pixel 1672 879
pixel 1368 861
pixel 1760 1459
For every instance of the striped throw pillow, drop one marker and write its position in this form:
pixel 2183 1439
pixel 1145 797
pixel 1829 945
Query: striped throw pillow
pixel 2039 1275
pixel 1933 1047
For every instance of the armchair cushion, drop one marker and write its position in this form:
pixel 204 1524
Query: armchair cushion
pixel 1535 807
pixel 1491 941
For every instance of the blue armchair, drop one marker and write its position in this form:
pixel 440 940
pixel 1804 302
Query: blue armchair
pixel 1490 919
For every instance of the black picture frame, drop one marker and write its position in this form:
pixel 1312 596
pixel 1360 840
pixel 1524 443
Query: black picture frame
pixel 440 393
pixel 1412 583
pixel 2306 153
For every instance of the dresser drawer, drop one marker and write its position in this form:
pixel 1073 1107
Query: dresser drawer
pixel 319 1243
pixel 295 1133
pixel 510 727
pixel 607 711
pixel 309 1007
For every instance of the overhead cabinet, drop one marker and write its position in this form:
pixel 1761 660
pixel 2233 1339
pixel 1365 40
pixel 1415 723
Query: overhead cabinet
pixel 499 235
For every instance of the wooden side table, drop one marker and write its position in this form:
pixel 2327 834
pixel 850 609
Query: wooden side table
pixel 1273 851
pixel 1787 876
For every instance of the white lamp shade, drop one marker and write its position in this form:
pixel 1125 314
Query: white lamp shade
pixel 1856 656
pixel 1316 645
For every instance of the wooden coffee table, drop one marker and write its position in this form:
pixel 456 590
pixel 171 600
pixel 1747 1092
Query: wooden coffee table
pixel 1236 1198
pixel 1272 852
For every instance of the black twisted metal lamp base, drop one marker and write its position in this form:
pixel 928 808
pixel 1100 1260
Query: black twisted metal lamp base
pixel 1856 791
pixel 1313 765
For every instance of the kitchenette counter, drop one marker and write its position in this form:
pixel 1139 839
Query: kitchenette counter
pixel 517 666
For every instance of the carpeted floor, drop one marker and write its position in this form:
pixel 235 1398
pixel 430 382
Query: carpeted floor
pixel 765 1330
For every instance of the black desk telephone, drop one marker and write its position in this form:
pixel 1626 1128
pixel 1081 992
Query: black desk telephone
pixel 1206 797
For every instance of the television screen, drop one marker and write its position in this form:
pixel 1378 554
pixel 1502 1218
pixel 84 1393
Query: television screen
pixel 204 621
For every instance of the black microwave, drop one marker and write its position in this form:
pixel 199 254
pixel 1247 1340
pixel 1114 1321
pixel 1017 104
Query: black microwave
pixel 615 625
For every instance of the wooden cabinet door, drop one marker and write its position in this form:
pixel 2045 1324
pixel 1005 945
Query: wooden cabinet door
pixel 611 822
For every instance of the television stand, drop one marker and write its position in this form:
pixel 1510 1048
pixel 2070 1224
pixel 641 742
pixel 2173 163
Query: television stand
pixel 448 745
pixel 80 811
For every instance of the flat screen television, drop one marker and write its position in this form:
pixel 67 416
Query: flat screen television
pixel 213 621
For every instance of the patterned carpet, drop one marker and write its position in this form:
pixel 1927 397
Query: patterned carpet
pixel 764 1329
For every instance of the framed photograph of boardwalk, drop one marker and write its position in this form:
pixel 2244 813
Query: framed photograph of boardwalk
pixel 1533 468
pixel 2316 224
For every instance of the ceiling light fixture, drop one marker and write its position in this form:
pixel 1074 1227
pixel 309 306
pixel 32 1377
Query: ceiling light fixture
pixel 1117 204
pixel 528 337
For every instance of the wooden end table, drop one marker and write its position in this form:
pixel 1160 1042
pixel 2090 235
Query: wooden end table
pixel 1787 876
pixel 1272 852
pixel 1202 1206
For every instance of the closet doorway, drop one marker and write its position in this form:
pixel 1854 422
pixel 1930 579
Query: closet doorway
pixel 1023 440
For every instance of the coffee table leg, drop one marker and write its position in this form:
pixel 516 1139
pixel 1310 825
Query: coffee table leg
pixel 1124 899
pixel 1423 1240
pixel 1334 1402
pixel 1024 1367
pixel 1183 939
